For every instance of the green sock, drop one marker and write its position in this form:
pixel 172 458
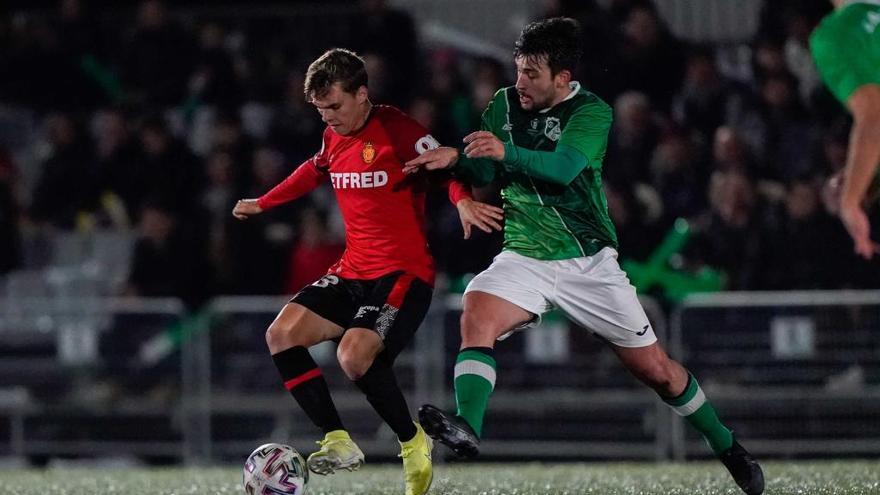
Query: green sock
pixel 696 409
pixel 474 381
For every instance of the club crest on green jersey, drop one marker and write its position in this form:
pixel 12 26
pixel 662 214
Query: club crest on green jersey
pixel 552 128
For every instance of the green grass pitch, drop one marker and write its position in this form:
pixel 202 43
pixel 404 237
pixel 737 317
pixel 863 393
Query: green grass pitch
pixel 804 478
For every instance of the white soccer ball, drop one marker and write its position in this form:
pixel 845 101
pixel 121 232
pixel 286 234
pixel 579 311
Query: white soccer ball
pixel 275 469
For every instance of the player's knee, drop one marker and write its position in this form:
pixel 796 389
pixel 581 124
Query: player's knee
pixel 478 329
pixel 353 363
pixel 281 336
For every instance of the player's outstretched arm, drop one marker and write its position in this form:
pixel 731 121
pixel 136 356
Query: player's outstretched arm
pixel 480 215
pixel 245 208
pixel 861 167
pixel 559 167
pixel 305 178
pixel 435 159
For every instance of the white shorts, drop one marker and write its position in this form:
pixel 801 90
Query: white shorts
pixel 592 291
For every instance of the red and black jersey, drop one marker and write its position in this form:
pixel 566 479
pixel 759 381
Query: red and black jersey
pixel 383 209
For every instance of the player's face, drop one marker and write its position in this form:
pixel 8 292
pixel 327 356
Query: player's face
pixel 537 87
pixel 344 112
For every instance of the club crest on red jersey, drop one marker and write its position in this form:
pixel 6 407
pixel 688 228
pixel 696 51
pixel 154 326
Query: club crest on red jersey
pixel 368 153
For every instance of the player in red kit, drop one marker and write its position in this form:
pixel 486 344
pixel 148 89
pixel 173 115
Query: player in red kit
pixel 374 298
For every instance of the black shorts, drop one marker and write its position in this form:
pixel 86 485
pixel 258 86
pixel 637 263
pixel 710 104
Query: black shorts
pixel 393 305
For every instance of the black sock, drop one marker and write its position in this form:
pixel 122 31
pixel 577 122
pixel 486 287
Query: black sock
pixel 306 384
pixel 380 386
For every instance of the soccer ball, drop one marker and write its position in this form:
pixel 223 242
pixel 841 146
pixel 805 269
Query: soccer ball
pixel 275 469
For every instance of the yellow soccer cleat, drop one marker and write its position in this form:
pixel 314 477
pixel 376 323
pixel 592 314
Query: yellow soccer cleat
pixel 338 451
pixel 417 469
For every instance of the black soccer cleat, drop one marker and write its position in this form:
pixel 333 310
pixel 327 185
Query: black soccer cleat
pixel 744 468
pixel 451 431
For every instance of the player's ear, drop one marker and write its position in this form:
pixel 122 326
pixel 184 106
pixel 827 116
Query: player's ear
pixel 362 94
pixel 562 78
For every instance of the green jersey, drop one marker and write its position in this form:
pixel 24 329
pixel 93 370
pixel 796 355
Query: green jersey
pixel 846 47
pixel 545 217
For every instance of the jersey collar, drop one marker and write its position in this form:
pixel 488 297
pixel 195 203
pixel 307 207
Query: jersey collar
pixel 575 87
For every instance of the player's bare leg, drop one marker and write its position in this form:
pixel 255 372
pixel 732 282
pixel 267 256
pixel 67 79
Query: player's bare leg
pixel 485 318
pixel 678 388
pixel 296 325
pixel 357 350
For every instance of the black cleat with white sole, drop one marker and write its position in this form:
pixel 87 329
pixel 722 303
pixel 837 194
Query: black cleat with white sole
pixel 451 431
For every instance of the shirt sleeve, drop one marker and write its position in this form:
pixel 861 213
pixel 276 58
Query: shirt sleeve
pixel 582 144
pixel 409 139
pixel 458 191
pixel 843 61
pixel 559 167
pixel 304 179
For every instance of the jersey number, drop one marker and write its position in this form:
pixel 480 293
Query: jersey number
pixel 426 143
pixel 326 280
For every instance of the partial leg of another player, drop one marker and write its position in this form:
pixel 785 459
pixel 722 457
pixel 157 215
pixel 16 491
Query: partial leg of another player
pixel 595 292
pixel 295 329
pixel 680 390
pixel 485 318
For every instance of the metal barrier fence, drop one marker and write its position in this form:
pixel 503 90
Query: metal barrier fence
pixel 140 378
pixel 71 379
pixel 793 373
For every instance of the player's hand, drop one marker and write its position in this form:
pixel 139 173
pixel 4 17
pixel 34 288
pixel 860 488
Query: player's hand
pixel 245 208
pixel 435 159
pixel 484 144
pixel 480 215
pixel 859 228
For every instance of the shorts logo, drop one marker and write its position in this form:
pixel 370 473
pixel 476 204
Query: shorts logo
pixel 644 330
pixel 553 128
pixel 363 310
pixel 368 153
pixel 385 320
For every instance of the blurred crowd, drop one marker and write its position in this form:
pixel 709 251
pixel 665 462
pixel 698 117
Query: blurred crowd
pixel 156 120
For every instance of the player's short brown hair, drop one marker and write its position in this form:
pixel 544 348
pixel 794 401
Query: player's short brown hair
pixel 557 38
pixel 337 65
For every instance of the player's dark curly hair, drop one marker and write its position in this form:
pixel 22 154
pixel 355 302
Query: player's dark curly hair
pixel 337 65
pixel 557 38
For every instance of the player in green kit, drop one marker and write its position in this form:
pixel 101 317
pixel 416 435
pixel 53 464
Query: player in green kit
pixel 846 47
pixel 544 139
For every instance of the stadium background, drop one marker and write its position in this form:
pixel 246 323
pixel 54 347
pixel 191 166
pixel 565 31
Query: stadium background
pixel 133 306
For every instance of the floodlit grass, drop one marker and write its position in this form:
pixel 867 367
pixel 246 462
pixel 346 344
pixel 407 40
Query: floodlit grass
pixel 807 478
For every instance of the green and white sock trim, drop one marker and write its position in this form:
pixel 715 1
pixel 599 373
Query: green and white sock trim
pixel 476 363
pixel 690 400
pixel 698 411
pixel 474 382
